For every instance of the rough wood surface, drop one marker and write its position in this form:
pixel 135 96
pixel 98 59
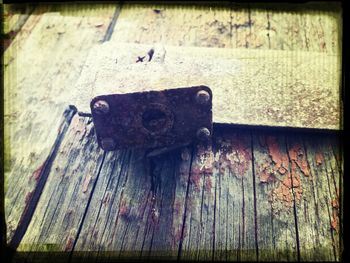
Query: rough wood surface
pixel 40 67
pixel 250 87
pixel 14 17
pixel 168 222
pixel 276 229
pixel 67 192
pixel 249 196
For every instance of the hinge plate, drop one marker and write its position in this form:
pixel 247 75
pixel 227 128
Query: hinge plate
pixel 153 119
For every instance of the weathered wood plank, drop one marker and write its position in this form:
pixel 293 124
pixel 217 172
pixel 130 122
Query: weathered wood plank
pixel 234 25
pixel 276 231
pixel 321 197
pixel 14 17
pixel 140 207
pixel 311 194
pixel 241 80
pixel 144 211
pixel 176 25
pixel 199 225
pixel 236 196
pixel 220 214
pixel 65 198
pixel 127 168
pixel 40 177
pixel 41 65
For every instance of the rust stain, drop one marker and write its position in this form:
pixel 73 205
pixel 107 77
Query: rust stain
pixel 196 177
pixel 280 159
pixel 268 173
pixel 69 244
pixel 86 183
pixel 334 222
pixel 289 187
pixel 319 158
pixel 208 184
pixel 335 217
pixel 335 203
pixel 271 171
pixel 123 209
pixel 296 154
pixel 281 193
pixel 37 173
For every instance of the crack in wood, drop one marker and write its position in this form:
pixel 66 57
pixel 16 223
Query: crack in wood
pixel 44 173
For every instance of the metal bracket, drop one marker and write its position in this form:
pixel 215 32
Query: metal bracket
pixel 153 119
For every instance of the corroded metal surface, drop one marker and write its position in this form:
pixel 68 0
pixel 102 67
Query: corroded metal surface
pixel 153 119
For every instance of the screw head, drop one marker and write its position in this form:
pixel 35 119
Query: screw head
pixel 108 144
pixel 203 134
pixel 202 97
pixel 101 107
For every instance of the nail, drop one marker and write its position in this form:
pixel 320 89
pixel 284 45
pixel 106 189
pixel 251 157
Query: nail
pixel 101 107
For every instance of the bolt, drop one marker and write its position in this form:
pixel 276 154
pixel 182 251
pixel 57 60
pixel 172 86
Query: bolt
pixel 108 144
pixel 203 134
pixel 101 107
pixel 202 97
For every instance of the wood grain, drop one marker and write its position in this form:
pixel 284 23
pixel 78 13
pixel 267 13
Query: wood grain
pixel 276 230
pixel 41 65
pixel 242 81
pixel 66 195
pixel 198 202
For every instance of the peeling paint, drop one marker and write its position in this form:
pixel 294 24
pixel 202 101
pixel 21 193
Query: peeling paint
pixel 296 154
pixel 319 158
pixel 335 216
pixel 288 187
pixel 280 159
pixel 334 222
pixel 335 203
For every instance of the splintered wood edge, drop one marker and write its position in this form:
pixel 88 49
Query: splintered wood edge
pixel 250 87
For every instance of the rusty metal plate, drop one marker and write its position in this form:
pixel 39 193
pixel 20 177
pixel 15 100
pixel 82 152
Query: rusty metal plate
pixel 153 119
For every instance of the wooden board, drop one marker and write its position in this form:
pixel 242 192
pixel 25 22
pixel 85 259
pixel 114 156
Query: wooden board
pixel 243 197
pixel 247 26
pixel 40 67
pixel 250 87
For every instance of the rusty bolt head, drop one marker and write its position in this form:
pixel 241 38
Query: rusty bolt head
pixel 202 97
pixel 203 134
pixel 108 144
pixel 101 107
